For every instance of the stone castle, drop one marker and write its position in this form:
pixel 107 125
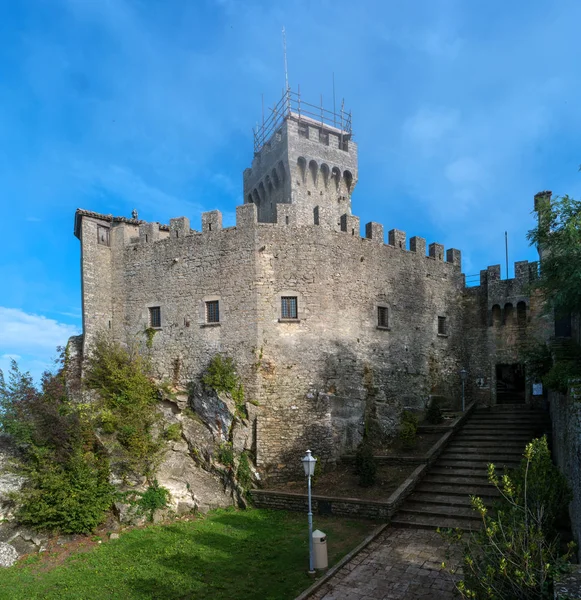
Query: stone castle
pixel 332 332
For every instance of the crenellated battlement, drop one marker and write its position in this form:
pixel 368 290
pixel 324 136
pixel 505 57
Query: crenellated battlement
pixel 138 232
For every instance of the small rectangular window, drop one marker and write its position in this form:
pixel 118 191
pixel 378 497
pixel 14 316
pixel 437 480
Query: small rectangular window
pixel 103 235
pixel 155 316
pixel 213 311
pixel 382 316
pixel 442 328
pixel 289 307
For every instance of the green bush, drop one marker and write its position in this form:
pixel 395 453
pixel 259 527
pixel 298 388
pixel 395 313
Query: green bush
pixel 154 498
pixel 434 412
pixel 221 376
pixel 408 430
pixel 244 474
pixel 365 463
pixel 559 375
pixel 173 432
pixel 128 403
pixel 70 498
pixel 67 476
pixel 515 555
pixel 225 455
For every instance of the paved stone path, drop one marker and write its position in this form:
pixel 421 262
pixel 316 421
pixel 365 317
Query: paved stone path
pixel 402 564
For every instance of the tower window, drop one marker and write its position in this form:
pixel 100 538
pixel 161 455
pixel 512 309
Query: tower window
pixel 155 317
pixel 289 307
pixel 382 316
pixel 103 235
pixel 442 326
pixel 213 311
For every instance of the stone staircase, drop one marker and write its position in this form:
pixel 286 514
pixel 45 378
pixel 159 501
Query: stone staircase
pixel 497 435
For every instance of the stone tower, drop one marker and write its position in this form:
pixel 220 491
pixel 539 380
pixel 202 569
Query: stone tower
pixel 303 156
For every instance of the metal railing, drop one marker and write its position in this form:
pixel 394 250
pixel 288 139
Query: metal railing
pixel 291 103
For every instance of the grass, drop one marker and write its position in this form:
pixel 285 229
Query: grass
pixel 228 554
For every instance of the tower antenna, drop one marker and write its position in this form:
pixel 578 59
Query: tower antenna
pixel 285 63
pixel 334 111
pixel 506 251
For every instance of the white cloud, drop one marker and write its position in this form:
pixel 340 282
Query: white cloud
pixel 428 128
pixel 31 334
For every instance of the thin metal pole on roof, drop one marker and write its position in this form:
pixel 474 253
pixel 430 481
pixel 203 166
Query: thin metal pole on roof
pixel 285 62
pixel 299 99
pixel 334 109
pixel 263 111
pixel 322 115
pixel 506 251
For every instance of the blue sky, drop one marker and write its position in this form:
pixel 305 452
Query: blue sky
pixel 462 112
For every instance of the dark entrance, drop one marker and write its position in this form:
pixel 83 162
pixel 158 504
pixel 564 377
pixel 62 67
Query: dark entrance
pixel 563 326
pixel 510 384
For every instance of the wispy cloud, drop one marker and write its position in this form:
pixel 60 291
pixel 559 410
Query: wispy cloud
pixel 28 333
pixel 31 340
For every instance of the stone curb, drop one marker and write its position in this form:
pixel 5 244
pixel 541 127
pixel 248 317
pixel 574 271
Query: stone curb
pixel 331 572
pixel 395 500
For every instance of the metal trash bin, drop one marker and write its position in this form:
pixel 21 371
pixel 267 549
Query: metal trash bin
pixel 320 560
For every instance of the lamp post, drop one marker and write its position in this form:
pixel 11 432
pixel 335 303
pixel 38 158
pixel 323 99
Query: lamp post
pixel 463 377
pixel 309 463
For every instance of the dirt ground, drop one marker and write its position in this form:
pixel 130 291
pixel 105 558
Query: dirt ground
pixel 424 441
pixel 343 482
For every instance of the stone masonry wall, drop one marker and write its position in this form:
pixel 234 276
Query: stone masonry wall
pixel 501 318
pixel 566 441
pixel 317 379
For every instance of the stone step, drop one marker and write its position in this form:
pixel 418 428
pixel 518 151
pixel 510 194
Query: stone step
pixel 458 490
pixel 517 446
pixel 432 522
pixel 498 460
pixel 472 479
pixel 503 428
pixel 438 469
pixel 490 439
pixel 468 464
pixel 420 508
pixel 446 499
pixel 487 452
pixel 486 441
pixel 507 419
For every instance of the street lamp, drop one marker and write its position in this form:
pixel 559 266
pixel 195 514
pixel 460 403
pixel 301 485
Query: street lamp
pixel 309 463
pixel 463 377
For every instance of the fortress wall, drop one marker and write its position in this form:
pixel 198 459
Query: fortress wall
pixel 502 318
pixel 317 377
pixel 324 372
pixel 179 274
pixel 96 273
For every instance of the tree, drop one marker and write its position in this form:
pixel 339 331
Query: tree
pixel 558 237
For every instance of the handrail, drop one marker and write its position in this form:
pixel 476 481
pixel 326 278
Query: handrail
pixel 292 104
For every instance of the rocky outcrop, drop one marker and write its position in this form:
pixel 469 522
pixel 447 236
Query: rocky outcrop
pixel 8 555
pixel 10 481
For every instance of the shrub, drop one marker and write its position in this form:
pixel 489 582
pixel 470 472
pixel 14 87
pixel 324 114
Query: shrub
pixel 154 498
pixel 244 473
pixel 221 376
pixel 67 476
pixel 128 399
pixel 173 432
pixel 434 412
pixel 559 375
pixel 365 463
pixel 408 430
pixel 515 554
pixel 225 454
pixel 71 498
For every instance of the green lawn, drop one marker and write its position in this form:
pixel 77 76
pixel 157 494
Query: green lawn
pixel 229 554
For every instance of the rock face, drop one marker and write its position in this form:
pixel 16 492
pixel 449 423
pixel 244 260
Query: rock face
pixel 9 481
pixel 217 411
pixel 8 555
pixel 191 487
